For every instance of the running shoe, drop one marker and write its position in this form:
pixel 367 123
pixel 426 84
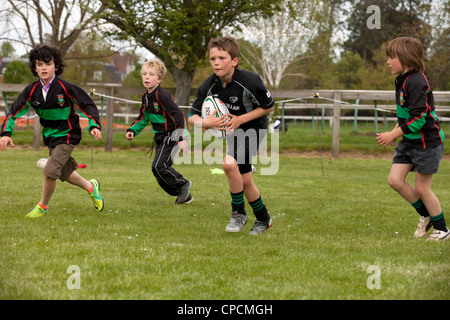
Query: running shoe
pixel 237 222
pixel 95 195
pixel 438 235
pixel 261 226
pixel 423 227
pixel 184 197
pixel 37 212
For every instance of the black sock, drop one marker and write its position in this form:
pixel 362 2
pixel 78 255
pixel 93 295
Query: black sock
pixel 259 209
pixel 237 202
pixel 420 208
pixel 439 222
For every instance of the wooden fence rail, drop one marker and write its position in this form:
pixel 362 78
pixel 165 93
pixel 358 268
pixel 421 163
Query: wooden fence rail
pixel 336 100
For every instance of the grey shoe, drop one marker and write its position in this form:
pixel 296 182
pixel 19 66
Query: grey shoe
pixel 237 222
pixel 423 227
pixel 184 197
pixel 261 226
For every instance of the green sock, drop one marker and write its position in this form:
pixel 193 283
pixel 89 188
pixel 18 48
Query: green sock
pixel 259 209
pixel 420 208
pixel 237 202
pixel 439 222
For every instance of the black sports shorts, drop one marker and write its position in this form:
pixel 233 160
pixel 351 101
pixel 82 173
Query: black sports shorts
pixel 424 161
pixel 243 145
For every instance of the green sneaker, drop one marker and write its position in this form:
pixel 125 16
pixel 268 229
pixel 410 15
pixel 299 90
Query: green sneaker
pixel 37 212
pixel 95 195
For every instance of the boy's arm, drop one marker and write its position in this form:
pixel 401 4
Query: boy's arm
pixel 175 113
pixel 416 92
pixel 195 118
pixel 212 122
pixel 19 108
pixel 140 123
pixel 388 138
pixel 87 107
pixel 237 121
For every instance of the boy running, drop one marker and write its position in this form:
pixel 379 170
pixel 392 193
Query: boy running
pixel 422 146
pixel 249 102
pixel 57 103
pixel 169 125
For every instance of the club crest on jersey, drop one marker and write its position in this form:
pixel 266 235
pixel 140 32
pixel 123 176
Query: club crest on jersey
pixel 60 99
pixel 402 98
pixel 156 106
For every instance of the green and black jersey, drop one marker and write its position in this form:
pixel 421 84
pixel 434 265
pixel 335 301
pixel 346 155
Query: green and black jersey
pixel 58 113
pixel 416 111
pixel 159 109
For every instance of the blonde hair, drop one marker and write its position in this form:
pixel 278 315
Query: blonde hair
pixel 409 51
pixel 156 64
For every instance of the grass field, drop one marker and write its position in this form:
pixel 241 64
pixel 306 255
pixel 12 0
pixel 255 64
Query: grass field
pixel 329 232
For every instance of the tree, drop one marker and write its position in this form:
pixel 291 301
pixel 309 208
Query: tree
pixel 397 17
pixel 7 50
pixel 178 31
pixel 279 40
pixel 86 60
pixel 18 72
pixel 55 22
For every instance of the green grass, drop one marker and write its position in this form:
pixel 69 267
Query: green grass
pixel 327 231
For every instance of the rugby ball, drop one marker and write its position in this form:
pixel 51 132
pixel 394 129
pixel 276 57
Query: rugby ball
pixel 41 163
pixel 209 105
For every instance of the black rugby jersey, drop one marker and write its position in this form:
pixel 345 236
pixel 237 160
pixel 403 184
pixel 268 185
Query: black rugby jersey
pixel 165 116
pixel 416 111
pixel 244 93
pixel 58 112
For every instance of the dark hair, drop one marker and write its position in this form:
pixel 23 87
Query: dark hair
pixel 46 53
pixel 409 51
pixel 228 44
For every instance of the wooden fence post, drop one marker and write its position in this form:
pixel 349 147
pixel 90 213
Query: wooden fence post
pixel 336 124
pixel 109 121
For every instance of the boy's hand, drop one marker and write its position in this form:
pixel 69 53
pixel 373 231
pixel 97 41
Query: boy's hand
pixel 234 123
pixel 129 135
pixel 4 142
pixel 96 133
pixel 182 145
pixel 215 123
pixel 385 139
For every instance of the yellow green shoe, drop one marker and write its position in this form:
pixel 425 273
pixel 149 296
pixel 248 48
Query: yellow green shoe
pixel 95 195
pixel 37 212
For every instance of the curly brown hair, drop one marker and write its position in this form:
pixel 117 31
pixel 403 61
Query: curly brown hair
pixel 46 53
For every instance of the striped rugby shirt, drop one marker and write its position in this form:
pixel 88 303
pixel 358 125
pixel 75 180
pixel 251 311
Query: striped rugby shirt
pixel 58 112
pixel 244 93
pixel 416 111
pixel 159 109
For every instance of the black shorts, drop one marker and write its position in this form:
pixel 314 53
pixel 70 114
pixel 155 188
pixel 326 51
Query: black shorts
pixel 425 161
pixel 243 145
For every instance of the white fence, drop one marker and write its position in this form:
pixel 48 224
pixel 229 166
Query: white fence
pixel 115 101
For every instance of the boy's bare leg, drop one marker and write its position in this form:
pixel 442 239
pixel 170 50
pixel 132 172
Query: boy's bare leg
pixel 79 181
pixel 397 181
pixel 423 189
pixel 48 189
